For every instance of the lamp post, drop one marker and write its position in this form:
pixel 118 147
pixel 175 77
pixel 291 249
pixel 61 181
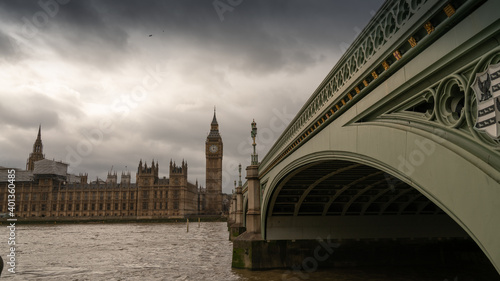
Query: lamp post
pixel 253 222
pixel 253 133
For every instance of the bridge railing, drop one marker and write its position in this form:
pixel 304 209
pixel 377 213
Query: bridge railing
pixel 398 32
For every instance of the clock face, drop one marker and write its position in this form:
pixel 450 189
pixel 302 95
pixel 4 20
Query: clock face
pixel 213 148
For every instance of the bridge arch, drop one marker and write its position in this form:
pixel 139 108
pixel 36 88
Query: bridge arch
pixel 421 185
pixel 391 133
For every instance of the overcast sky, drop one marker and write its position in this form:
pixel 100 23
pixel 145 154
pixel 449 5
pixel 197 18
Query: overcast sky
pixel 113 82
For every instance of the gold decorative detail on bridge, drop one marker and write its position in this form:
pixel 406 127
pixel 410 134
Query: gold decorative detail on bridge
pixel 343 101
pixel 365 83
pixel 412 41
pixel 337 106
pixel 449 10
pixel 375 75
pixel 429 27
pixel 331 110
pixel 385 65
pixel 397 55
pixel 350 96
pixel 357 89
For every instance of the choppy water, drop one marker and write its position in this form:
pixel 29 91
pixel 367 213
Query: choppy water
pixel 158 252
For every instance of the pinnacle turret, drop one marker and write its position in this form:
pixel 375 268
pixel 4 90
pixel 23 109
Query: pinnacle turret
pixel 214 120
pixel 214 127
pixel 39 137
pixel 37 153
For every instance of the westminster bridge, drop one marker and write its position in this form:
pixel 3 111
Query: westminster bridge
pixel 389 147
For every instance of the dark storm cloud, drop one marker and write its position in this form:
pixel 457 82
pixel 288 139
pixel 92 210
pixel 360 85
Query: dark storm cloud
pixel 76 30
pixel 33 109
pixel 25 119
pixel 262 61
pixel 8 48
pixel 82 27
pixel 255 37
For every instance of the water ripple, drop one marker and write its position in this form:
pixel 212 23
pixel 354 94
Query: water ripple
pixel 117 252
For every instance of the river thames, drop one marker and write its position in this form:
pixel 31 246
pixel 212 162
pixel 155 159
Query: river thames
pixel 162 251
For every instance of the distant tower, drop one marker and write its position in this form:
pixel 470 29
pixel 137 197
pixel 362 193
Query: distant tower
pixel 178 174
pixel 125 178
pixel 37 153
pixel 112 178
pixel 83 178
pixel 177 194
pixel 213 154
pixel 147 176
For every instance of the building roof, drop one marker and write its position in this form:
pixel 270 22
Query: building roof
pixel 73 178
pixel 214 120
pixel 214 128
pixel 21 175
pixel 51 167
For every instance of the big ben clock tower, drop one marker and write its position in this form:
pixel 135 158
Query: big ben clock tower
pixel 213 152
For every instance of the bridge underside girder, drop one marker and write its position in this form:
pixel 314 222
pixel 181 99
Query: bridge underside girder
pixel 340 188
pixel 347 200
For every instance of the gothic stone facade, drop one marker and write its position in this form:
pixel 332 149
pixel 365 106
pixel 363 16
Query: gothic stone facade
pixel 43 193
pixel 45 189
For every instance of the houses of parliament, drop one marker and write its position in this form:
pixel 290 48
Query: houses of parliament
pixel 46 190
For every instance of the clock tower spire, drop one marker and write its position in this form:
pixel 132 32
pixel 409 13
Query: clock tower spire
pixel 37 153
pixel 213 155
pixel 214 127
